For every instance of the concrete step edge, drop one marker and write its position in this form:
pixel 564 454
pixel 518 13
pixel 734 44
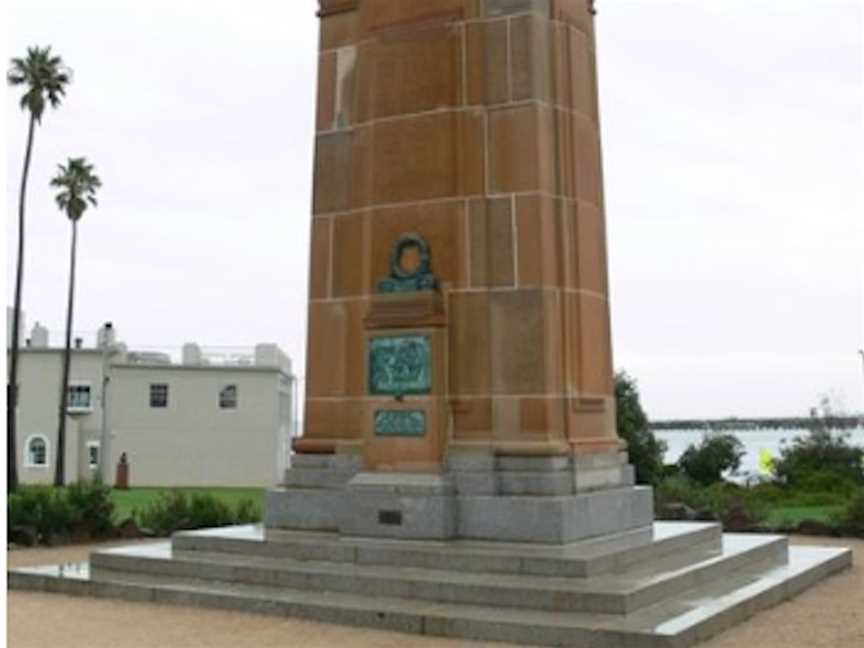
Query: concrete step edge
pixel 537 592
pixel 648 628
pixel 477 560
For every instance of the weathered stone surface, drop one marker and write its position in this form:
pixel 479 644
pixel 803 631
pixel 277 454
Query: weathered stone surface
pixel 470 329
pixel 304 508
pixel 339 30
pixel 541 241
pixel 400 506
pixel 326 117
pixel 521 144
pixel 520 348
pixel 350 244
pixel 487 75
pixel 319 270
pixel 531 58
pixel 554 519
pixel 430 156
pixel 332 173
pixel 491 248
pixel 505 7
pixel 405 74
pixel 378 15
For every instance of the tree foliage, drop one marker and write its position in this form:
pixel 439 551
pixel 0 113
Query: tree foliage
pixel 78 185
pixel 714 455
pixel 820 452
pixel 43 75
pixel 646 450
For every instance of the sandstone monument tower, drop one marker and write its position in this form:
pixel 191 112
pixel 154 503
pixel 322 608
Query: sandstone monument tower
pixel 459 474
pixel 459 140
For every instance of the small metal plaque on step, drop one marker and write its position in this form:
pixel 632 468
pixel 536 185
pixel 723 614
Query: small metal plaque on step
pixel 390 518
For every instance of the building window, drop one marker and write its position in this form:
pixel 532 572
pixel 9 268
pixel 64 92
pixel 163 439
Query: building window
pixel 93 454
pixel 158 395
pixel 78 398
pixel 228 397
pixel 36 452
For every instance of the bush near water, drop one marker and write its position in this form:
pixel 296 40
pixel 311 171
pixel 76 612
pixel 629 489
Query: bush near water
pixel 816 485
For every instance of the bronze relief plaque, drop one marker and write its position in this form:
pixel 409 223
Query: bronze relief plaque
pixel 400 364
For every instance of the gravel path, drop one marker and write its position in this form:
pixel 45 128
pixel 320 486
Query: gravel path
pixel 830 615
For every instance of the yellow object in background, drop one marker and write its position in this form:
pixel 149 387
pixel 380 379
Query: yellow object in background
pixel 766 462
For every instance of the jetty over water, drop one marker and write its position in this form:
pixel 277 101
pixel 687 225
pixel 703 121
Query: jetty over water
pixel 743 424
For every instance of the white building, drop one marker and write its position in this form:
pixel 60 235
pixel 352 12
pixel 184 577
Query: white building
pixel 207 421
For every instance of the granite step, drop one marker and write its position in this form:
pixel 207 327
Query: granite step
pixel 579 559
pixel 681 620
pixel 316 478
pixel 620 593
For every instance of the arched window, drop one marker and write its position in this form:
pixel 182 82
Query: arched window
pixel 36 452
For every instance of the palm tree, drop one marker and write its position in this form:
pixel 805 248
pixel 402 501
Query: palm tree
pixel 78 185
pixel 45 78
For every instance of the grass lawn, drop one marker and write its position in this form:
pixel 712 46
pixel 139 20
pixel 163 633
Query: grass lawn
pixel 139 498
pixel 790 516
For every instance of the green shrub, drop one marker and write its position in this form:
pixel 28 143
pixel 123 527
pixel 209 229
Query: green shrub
pixel 91 502
pixel 720 500
pixel 824 481
pixel 768 493
pixel 851 520
pixel 208 511
pixel 175 510
pixel 714 455
pixel 247 512
pixel 644 449
pixel 40 507
pixel 820 453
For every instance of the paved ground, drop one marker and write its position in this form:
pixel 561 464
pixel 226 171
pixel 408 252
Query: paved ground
pixel 828 615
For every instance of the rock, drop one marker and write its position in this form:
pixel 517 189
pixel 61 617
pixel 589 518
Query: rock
pixel 80 535
pixel 24 536
pixel 814 527
pixel 57 539
pixel 676 511
pixel 128 529
pixel 737 519
pixel 705 515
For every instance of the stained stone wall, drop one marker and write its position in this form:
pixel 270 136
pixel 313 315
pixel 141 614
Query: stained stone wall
pixel 475 124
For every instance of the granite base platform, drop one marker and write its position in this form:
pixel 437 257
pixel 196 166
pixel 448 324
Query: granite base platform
pixel 553 500
pixel 663 585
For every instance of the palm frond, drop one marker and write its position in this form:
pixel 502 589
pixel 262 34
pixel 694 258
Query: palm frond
pixel 45 77
pixel 78 185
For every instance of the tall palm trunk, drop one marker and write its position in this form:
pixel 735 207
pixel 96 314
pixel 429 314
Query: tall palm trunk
pixel 12 384
pixel 59 473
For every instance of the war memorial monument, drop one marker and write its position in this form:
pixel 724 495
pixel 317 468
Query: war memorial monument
pixel 459 473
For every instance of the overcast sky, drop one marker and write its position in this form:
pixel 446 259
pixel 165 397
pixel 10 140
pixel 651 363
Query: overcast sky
pixel 734 161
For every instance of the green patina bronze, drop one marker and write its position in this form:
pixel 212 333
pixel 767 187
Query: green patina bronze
pixel 400 365
pixel 404 279
pixel 400 422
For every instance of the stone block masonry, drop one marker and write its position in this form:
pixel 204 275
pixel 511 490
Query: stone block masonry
pixel 473 123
